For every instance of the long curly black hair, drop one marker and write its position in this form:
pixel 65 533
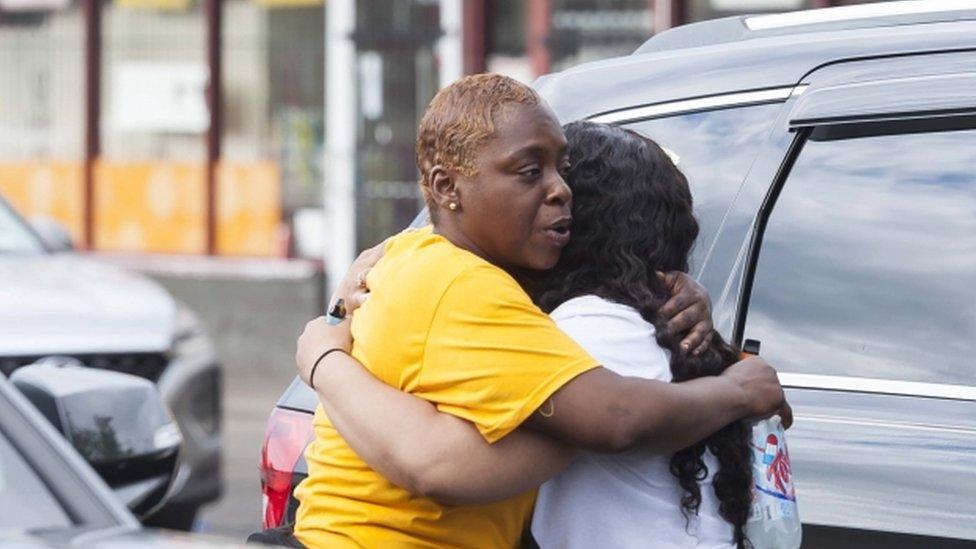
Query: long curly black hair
pixel 632 217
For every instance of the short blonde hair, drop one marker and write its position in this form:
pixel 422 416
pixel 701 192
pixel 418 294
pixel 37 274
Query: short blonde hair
pixel 460 119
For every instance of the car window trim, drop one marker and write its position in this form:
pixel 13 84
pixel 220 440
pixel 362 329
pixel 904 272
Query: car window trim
pixel 942 391
pixel 861 422
pixel 759 231
pixel 839 130
pixel 894 126
pixel 699 104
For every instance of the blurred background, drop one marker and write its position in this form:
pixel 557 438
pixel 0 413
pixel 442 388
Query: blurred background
pixel 240 151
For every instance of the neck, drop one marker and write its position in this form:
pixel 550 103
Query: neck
pixel 526 278
pixel 453 233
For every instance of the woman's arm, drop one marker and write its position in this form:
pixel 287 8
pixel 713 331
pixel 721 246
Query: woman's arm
pixel 438 455
pixel 605 412
pixel 416 447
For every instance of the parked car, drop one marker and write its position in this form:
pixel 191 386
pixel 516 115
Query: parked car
pixel 49 495
pixel 57 303
pixel 116 421
pixel 831 158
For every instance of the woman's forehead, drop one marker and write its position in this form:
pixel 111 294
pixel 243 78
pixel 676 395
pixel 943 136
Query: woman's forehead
pixel 519 126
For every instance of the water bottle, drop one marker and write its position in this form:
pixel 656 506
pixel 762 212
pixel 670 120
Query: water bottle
pixel 773 519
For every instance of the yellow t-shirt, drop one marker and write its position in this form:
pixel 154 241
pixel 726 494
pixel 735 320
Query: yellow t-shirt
pixel 451 328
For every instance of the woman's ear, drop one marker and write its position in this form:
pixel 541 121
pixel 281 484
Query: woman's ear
pixel 443 188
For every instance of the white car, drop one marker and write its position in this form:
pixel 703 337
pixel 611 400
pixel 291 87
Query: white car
pixel 55 303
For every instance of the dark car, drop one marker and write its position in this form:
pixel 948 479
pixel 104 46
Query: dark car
pixel 49 495
pixel 832 157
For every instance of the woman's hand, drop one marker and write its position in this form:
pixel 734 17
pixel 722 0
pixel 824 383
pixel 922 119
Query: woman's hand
pixel 688 308
pixel 353 289
pixel 318 337
pixel 759 383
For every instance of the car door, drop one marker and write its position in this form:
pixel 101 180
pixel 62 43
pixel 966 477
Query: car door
pixel 859 285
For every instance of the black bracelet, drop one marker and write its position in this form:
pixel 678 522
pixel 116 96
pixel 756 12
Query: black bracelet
pixel 311 378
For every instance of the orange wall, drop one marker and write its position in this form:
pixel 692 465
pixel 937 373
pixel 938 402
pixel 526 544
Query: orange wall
pixel 156 207
pixel 51 189
pixel 248 208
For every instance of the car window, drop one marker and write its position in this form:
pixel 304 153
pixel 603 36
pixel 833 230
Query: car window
pixel 25 501
pixel 714 149
pixel 868 265
pixel 14 236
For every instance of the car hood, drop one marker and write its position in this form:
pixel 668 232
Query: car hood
pixel 65 304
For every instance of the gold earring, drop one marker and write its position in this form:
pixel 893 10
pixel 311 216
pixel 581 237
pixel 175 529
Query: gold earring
pixel 452 206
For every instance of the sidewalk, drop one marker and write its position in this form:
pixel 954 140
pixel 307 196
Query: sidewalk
pixel 202 266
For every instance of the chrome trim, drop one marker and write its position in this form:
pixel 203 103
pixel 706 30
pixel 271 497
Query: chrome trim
pixel 851 13
pixel 861 422
pixel 698 104
pixel 878 386
pixel 799 89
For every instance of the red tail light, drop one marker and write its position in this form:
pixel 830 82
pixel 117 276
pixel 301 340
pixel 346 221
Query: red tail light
pixel 288 434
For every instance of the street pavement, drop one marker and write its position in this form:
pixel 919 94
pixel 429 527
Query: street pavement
pixel 247 403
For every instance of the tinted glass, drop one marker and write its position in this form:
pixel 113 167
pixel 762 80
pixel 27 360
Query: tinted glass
pixel 868 267
pixel 25 502
pixel 714 150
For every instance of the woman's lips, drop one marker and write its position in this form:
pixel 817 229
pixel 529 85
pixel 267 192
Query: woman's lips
pixel 558 237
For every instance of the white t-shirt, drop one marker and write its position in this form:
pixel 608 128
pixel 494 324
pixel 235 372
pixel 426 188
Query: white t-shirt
pixel 629 499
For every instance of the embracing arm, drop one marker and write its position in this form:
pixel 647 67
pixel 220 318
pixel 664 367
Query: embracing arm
pixel 605 412
pixel 441 456
pixel 416 447
pixel 602 411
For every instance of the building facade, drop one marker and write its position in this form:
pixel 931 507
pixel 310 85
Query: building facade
pixel 109 122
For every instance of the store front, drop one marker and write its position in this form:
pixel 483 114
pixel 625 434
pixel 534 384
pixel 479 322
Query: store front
pixel 397 75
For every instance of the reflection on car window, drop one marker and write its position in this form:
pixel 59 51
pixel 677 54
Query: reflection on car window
pixel 714 150
pixel 868 266
pixel 25 502
pixel 14 237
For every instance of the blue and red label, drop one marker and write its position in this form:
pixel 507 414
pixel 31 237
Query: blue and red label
pixel 774 476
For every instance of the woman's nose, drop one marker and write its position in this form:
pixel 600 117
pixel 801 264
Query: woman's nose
pixel 560 191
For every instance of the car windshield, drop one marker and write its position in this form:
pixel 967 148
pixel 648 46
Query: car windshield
pixel 15 237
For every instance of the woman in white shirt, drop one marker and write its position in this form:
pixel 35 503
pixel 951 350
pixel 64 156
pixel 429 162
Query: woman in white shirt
pixel 632 218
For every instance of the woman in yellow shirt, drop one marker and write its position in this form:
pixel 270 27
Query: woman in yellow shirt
pixel 446 321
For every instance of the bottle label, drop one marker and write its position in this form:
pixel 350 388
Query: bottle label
pixel 774 522
pixel 774 476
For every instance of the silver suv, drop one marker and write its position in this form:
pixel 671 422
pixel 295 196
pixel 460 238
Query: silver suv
pixel 57 303
pixel 831 159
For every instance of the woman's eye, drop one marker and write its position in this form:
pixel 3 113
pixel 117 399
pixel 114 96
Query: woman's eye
pixel 530 172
